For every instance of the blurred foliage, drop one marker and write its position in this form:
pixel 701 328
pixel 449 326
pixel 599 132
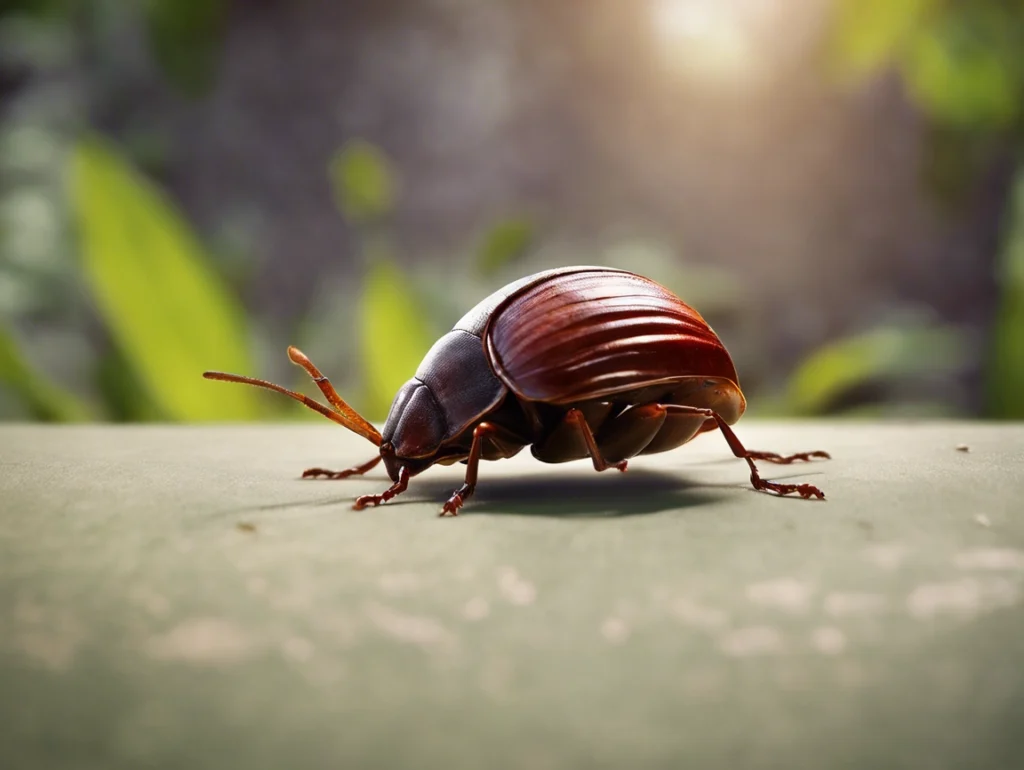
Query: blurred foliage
pixel 185 36
pixel 1006 364
pixel 503 244
pixel 154 288
pixel 393 334
pixel 363 182
pixel 878 357
pixel 393 327
pixel 963 64
pixel 167 313
pixel 866 33
pixel 45 401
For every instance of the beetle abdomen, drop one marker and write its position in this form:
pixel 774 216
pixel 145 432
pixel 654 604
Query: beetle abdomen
pixel 576 336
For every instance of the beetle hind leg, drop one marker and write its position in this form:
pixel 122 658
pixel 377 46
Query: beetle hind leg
pixel 324 473
pixel 804 490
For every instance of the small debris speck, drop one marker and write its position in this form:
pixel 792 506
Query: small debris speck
pixel 983 520
pixel 246 526
pixel 963 448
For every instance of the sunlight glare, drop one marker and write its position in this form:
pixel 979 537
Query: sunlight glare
pixel 713 40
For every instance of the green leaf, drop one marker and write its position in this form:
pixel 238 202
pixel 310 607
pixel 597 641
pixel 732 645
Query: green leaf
pixel 185 36
pixel 45 401
pixel 503 244
pixel 364 184
pixel 868 34
pixel 965 68
pixel 152 283
pixel 394 335
pixel 1005 376
pixel 885 353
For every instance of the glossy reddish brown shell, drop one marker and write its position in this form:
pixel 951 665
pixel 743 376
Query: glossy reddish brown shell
pixel 572 337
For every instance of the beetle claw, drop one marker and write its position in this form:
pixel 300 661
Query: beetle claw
pixel 364 500
pixel 451 507
pixel 806 491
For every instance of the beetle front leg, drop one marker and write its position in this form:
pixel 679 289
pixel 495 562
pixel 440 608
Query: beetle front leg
pixel 804 490
pixel 359 470
pixel 395 489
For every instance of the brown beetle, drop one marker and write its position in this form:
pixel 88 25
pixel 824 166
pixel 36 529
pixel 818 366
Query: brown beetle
pixel 574 362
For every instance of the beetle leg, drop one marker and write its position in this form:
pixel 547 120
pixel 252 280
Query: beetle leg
pixel 395 489
pixel 481 433
pixel 359 470
pixel 772 457
pixel 600 464
pixel 804 490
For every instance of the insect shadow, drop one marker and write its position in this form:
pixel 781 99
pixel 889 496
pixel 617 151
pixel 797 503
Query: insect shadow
pixel 638 492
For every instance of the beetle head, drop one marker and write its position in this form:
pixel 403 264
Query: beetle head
pixel 415 430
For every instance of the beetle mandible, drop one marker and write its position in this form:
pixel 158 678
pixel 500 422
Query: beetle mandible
pixel 573 362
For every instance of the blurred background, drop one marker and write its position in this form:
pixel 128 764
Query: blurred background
pixel 195 184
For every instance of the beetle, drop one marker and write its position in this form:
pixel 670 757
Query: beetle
pixel 574 362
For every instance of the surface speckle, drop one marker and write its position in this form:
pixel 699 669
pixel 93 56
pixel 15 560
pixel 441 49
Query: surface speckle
pixel 476 608
pixel 828 640
pixel 209 641
pixel 1008 559
pixel 298 649
pixel 847 604
pixel 399 583
pixel 615 630
pixel 787 594
pixel 962 598
pixel 698 615
pixel 753 640
pixel 888 556
pixel 152 602
pixel 49 638
pixel 414 629
pixel 515 588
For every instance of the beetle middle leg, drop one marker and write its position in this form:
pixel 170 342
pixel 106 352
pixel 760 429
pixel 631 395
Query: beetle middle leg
pixel 323 473
pixel 485 434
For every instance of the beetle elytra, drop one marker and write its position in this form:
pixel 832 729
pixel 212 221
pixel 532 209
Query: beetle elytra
pixel 574 362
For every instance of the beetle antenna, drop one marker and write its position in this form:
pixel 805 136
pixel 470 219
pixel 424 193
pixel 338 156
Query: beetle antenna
pixel 354 421
pixel 372 435
pixel 305 400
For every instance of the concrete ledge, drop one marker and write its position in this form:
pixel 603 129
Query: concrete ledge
pixel 175 597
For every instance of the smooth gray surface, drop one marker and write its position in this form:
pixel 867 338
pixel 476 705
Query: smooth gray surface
pixel 175 597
